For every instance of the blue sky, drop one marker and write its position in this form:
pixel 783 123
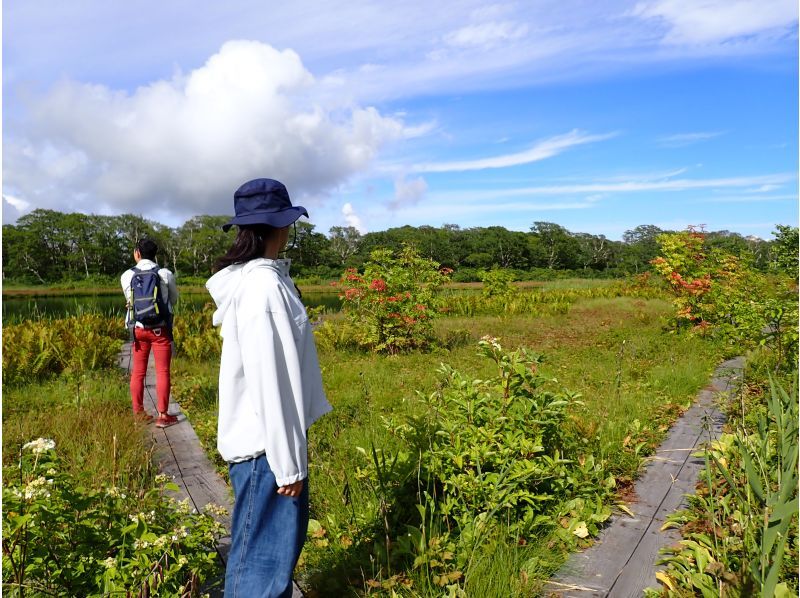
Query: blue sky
pixel 597 116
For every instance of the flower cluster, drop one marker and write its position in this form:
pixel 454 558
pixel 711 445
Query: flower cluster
pixel 40 445
pixel 111 539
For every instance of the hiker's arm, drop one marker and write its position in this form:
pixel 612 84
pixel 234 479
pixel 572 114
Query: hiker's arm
pixel 172 288
pixel 271 367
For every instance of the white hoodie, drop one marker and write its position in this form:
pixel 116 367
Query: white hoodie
pixel 270 387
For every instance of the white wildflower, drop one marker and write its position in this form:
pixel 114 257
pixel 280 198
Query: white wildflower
pixel 215 510
pixel 182 560
pixel 40 445
pixel 37 487
pixel 162 478
pixel 51 471
pixel 491 340
pixel 141 544
pixel 110 562
pixel 161 541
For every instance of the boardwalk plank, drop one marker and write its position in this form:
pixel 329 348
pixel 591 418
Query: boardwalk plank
pixel 179 454
pixel 621 563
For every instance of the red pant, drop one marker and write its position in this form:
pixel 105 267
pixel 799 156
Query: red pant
pixel 158 339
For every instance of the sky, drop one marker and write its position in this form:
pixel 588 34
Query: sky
pixel 598 116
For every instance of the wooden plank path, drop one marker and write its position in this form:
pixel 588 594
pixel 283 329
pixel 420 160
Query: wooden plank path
pixel 621 563
pixel 180 455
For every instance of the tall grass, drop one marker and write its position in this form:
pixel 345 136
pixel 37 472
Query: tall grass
pixel 90 419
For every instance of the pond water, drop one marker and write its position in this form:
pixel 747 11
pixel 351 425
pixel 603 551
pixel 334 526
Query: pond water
pixel 17 309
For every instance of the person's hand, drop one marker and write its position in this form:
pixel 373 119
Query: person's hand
pixel 292 489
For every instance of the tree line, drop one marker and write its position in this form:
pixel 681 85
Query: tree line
pixel 47 246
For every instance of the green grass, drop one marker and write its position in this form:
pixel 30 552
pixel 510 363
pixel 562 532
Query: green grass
pixel 90 421
pixel 612 351
pixel 633 377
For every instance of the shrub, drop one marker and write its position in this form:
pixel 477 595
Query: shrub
pixel 718 293
pixel 500 447
pixel 489 459
pixel 394 301
pixel 498 283
pixel 62 539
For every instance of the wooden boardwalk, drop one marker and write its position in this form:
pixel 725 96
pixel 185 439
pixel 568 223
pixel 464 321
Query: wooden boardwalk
pixel 179 454
pixel 621 563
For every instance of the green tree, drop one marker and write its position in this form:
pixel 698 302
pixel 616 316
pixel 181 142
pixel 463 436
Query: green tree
pixel 640 247
pixel 201 240
pixel 344 242
pixel 553 246
pixel 784 254
pixel 310 250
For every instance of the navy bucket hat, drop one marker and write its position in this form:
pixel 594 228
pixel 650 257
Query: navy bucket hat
pixel 264 201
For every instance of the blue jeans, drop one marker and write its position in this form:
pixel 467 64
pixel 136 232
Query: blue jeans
pixel 268 531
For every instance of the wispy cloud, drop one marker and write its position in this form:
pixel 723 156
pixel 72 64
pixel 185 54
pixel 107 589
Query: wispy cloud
pixel 749 198
pixel 616 187
pixel 486 35
pixel 713 21
pixel 546 148
pixel 684 139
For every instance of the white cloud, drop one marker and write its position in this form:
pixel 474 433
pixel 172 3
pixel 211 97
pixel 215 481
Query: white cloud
pixel 13 208
pixel 714 21
pixel 352 219
pixel 460 198
pixel 408 192
pixel 684 139
pixel 750 198
pixel 486 35
pixel 764 189
pixel 184 144
pixel 546 148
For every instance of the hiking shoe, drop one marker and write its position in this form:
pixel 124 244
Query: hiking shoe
pixel 142 416
pixel 166 420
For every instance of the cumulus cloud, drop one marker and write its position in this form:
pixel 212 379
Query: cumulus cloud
pixel 183 145
pixel 13 208
pixel 712 21
pixel 352 219
pixel 407 192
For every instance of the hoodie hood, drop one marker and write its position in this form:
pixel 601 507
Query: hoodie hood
pixel 224 284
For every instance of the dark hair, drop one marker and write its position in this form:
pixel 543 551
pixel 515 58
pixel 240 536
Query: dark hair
pixel 147 248
pixel 249 244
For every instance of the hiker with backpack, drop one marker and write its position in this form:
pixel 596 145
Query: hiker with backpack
pixel 151 293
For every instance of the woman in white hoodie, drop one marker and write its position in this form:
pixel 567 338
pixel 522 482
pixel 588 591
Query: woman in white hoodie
pixel 270 392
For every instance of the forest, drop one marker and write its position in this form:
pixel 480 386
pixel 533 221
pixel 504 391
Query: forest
pixel 50 247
